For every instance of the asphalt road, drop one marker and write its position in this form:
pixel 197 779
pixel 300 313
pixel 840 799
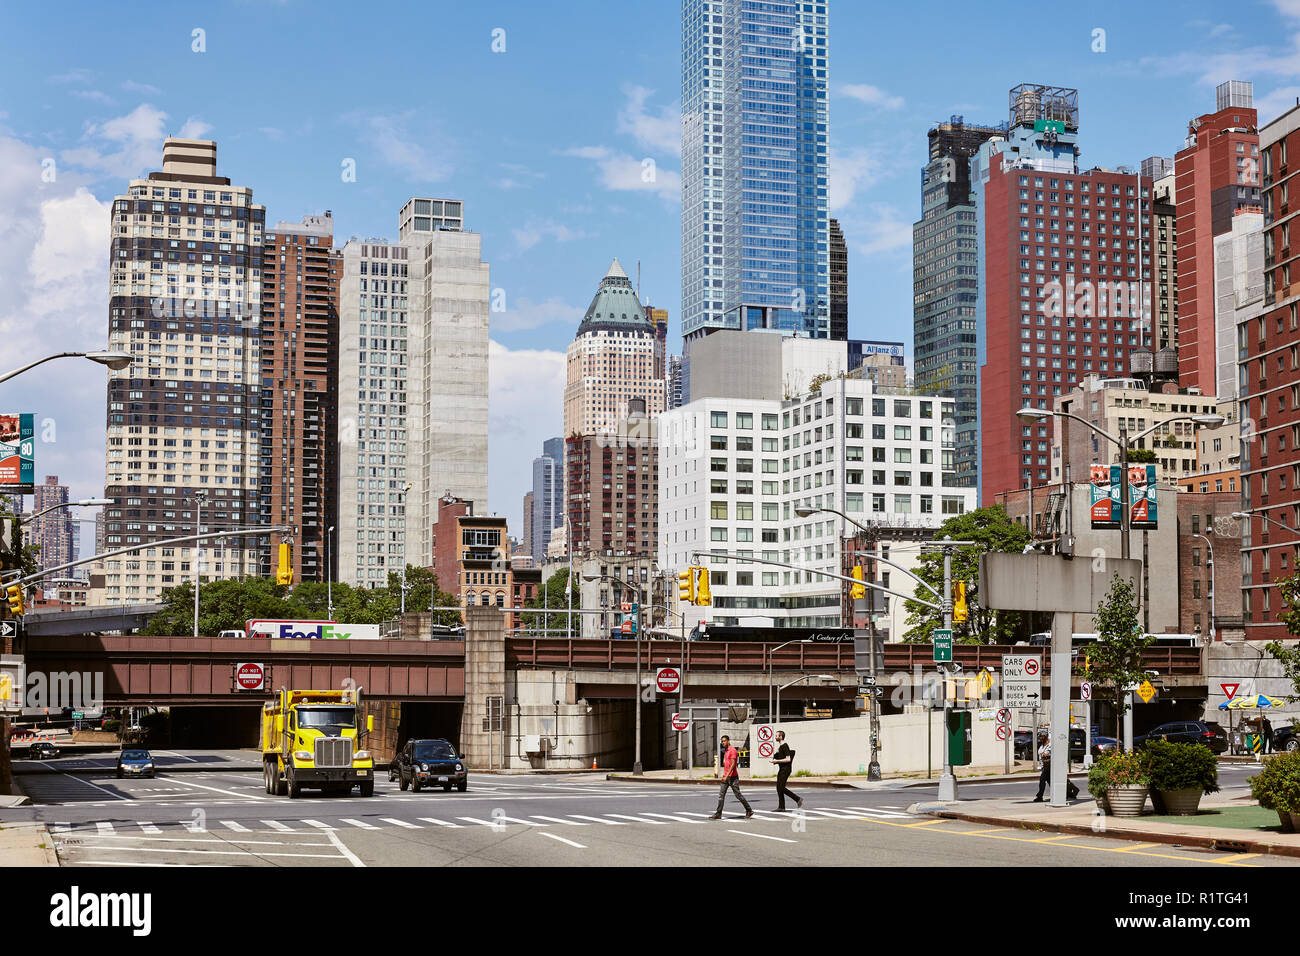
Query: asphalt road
pixel 221 816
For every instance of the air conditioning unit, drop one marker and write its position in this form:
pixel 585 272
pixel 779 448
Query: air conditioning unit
pixel 532 743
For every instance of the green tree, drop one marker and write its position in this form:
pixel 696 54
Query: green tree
pixel 1114 662
pixel 993 530
pixel 14 555
pixel 553 595
pixel 1289 657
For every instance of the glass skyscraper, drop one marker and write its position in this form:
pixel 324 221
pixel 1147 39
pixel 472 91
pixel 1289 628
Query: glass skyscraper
pixel 755 242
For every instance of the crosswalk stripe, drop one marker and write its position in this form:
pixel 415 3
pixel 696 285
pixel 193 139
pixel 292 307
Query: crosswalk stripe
pixel 527 823
pixel 360 824
pixel 277 825
pixel 60 827
pixel 401 823
pixel 232 825
pixel 482 823
pixel 833 815
pixel 669 816
pixel 881 811
pixel 103 826
pixel 624 816
pixel 571 823
pixel 148 827
pixel 318 825
pixel 612 823
pixel 441 823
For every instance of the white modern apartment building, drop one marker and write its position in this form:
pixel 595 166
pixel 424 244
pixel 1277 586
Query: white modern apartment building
pixel 732 472
pixel 413 341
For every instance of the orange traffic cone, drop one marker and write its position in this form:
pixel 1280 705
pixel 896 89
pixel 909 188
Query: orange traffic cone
pixel 593 764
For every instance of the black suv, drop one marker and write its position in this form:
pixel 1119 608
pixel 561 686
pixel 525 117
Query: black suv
pixel 429 763
pixel 42 751
pixel 1187 732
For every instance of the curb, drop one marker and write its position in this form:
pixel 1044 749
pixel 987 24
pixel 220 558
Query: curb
pixel 1134 836
pixel 714 781
pixel 159 771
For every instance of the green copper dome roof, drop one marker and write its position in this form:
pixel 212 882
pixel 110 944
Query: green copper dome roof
pixel 615 307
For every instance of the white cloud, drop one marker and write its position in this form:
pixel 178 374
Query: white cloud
pixel 96 96
pixel 1276 102
pixel 659 130
pixel 850 170
pixel 54 297
pixel 525 407
pixel 122 147
pixel 195 128
pixel 871 95
pixel 883 230
pixel 620 171
pixel 524 314
pixel 534 232
pixel 398 147
pixel 144 88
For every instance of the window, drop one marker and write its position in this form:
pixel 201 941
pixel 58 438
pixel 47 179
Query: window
pixel 744 511
pixel 717 534
pixel 718 419
pixel 718 442
pixel 718 510
pixel 745 420
pixel 770 423
pixel 902 432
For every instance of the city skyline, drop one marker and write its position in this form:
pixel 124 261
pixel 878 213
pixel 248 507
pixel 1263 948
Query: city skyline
pixel 554 200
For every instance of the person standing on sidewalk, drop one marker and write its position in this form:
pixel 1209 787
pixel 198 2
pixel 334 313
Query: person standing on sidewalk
pixel 730 778
pixel 1266 734
pixel 784 760
pixel 1045 755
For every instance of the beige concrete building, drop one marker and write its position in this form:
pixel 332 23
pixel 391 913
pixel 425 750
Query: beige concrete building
pixel 612 360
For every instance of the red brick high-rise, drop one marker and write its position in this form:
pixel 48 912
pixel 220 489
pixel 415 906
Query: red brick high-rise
pixel 1215 174
pixel 300 324
pixel 1270 396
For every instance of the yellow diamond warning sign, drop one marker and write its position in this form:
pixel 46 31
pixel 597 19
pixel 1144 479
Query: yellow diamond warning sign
pixel 1146 691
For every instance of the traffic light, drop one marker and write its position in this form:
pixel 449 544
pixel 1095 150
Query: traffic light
pixel 284 574
pixel 858 591
pixel 14 594
pixel 702 593
pixel 959 609
pixel 686 586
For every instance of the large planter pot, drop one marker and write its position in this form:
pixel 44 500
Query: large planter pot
pixel 1287 820
pixel 1180 803
pixel 1127 800
pixel 1295 822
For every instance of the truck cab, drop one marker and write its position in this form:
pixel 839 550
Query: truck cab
pixel 313 740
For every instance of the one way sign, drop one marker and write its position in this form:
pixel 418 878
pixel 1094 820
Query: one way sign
pixel 8 628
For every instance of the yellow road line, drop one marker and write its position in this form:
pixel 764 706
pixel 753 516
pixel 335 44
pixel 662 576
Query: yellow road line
pixel 1238 857
pixel 923 823
pixel 1059 836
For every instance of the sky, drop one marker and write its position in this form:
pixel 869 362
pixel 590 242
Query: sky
pixel 540 117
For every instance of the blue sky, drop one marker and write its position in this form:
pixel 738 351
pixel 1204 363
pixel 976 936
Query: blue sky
pixel 544 142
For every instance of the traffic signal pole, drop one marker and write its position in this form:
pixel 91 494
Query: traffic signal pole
pixel 948 780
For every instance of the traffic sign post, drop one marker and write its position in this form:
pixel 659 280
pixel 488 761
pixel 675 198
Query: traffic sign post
pixel 680 723
pixel 1004 732
pixel 943 646
pixel 667 680
pixel 250 676
pixel 8 628
pixel 1022 680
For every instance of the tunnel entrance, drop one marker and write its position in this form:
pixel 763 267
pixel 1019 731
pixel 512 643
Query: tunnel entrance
pixel 224 727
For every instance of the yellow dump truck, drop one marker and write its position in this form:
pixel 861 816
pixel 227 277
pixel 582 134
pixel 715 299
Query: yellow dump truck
pixel 313 738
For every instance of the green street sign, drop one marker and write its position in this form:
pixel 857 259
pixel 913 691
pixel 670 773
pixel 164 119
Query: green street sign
pixel 76 715
pixel 942 646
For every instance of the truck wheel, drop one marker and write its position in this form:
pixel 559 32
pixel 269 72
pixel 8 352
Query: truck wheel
pixel 401 781
pixel 295 791
pixel 446 788
pixel 266 777
pixel 367 788
pixel 415 783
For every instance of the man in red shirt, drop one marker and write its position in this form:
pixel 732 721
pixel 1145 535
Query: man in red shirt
pixel 731 778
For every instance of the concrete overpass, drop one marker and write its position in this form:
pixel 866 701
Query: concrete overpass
pixel 89 620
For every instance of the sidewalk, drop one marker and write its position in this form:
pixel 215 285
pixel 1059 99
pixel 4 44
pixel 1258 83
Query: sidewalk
pixel 25 843
pixel 1022 770
pixel 1082 817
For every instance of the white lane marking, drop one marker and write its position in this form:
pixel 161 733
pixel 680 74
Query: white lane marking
pixel 232 841
pixel 118 796
pixel 675 819
pixel 441 823
pixel 880 811
pixel 612 823
pixel 762 836
pixel 277 825
pixel 401 823
pixel 104 827
pixel 347 854
pixel 482 823
pixel 119 848
pixel 172 753
pixel 571 823
pixel 134 863
pixel 624 816
pixel 60 827
pixel 148 827
pixel 563 840
pixel 233 825
pixel 318 825
pixel 527 823
pixel 229 793
pixel 359 824
pixel 833 815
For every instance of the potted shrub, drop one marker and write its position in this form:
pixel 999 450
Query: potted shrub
pixel 1277 787
pixel 1180 774
pixel 1120 782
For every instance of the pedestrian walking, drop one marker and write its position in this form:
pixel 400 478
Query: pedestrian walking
pixel 784 760
pixel 731 778
pixel 1045 757
pixel 1266 734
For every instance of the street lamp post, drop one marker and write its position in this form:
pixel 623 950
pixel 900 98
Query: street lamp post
pixel 568 553
pixel 115 360
pixel 329 572
pixel 198 498
pixel 405 491
pixel 769 653
pixel 824 678
pixel 636 766
pixel 1210 562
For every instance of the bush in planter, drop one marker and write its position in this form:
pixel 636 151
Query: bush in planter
pixel 1117 770
pixel 1179 766
pixel 1277 786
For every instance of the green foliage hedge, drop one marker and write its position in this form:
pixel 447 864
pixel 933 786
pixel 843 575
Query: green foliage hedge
pixel 1277 786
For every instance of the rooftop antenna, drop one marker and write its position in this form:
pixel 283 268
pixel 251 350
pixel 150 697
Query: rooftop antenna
pixel 638 280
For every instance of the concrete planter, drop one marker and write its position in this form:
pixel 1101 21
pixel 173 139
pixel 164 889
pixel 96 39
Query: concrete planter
pixel 1180 803
pixel 1287 820
pixel 1127 800
pixel 1295 822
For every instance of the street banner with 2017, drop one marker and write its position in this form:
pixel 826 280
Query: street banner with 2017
pixel 17 454
pixel 1105 485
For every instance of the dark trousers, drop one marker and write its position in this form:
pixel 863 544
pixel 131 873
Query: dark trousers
pixel 734 784
pixel 1044 778
pixel 782 791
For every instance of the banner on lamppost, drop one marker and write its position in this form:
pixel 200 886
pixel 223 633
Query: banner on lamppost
pixel 17 454
pixel 1104 484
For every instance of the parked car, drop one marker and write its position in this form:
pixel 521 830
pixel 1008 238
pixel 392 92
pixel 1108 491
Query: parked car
pixel 1285 738
pixel 427 763
pixel 135 763
pixel 1022 745
pixel 1024 751
pixel 1206 732
pixel 1102 744
pixel 42 751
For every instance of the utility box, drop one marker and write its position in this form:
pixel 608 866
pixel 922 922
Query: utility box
pixel 959 738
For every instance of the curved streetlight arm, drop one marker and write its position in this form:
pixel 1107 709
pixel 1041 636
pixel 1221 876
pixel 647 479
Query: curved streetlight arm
pixel 1159 425
pixel 826 574
pixel 1087 424
pixel 899 567
pixel 1256 514
pixel 49 358
pixel 867 531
